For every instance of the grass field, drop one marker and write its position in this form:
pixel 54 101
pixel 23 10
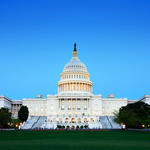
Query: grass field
pixel 74 140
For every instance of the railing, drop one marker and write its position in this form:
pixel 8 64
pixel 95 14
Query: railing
pixel 109 121
pixel 35 122
pixel 72 124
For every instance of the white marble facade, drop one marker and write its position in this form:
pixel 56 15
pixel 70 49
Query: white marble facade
pixel 75 104
pixel 5 102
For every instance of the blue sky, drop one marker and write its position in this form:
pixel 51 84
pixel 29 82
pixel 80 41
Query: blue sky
pixel 37 37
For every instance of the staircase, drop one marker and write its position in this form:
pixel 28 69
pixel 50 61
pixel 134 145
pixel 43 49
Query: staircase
pixel 113 123
pixel 105 122
pixel 30 122
pixel 38 124
pixel 108 122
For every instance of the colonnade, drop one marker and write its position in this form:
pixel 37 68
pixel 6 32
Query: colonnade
pixel 15 108
pixel 72 106
pixel 74 76
pixel 75 86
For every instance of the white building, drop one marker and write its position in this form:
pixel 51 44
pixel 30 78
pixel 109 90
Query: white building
pixel 5 102
pixel 12 105
pixel 75 105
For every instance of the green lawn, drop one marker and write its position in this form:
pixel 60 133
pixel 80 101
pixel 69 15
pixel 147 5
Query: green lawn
pixel 74 140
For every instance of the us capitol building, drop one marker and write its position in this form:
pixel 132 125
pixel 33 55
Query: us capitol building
pixel 74 106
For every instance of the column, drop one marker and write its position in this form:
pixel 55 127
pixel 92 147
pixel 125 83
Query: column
pixel 76 86
pixel 17 108
pixel 60 103
pixel 68 86
pixel 73 86
pixel 86 87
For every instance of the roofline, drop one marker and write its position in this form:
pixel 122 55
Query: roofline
pixel 5 97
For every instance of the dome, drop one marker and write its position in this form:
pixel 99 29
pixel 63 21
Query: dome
pixel 75 78
pixel 75 65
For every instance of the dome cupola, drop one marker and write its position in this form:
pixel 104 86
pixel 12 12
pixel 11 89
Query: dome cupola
pixel 75 65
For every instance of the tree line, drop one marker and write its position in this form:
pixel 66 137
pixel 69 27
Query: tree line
pixel 134 115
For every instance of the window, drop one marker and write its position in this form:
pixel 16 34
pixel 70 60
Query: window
pixel 78 108
pixel 62 108
pixel 74 107
pixel 85 107
pixel 69 108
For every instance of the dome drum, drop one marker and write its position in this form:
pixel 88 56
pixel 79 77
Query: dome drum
pixel 75 75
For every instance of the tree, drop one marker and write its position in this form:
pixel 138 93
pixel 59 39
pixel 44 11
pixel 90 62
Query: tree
pixel 23 113
pixel 15 122
pixel 134 115
pixel 5 117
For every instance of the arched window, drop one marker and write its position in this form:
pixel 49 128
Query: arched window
pixel 92 120
pixel 73 120
pixel 66 120
pixel 78 107
pixel 85 120
pixel 79 120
